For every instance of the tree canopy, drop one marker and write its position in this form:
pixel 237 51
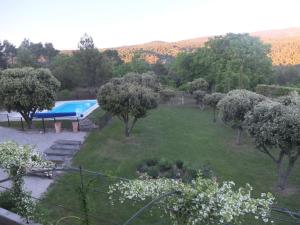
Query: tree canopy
pixel 27 90
pixel 275 128
pixel 127 100
pixel 228 62
pixel 235 105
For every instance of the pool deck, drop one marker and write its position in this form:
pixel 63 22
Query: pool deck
pixel 41 141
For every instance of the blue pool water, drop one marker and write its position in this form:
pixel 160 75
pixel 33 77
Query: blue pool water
pixel 71 108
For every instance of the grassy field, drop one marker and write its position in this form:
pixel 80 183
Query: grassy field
pixel 173 133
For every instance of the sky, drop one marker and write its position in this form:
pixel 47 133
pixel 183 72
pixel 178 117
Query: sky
pixel 113 23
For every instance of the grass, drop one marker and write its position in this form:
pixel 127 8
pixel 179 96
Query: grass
pixel 172 133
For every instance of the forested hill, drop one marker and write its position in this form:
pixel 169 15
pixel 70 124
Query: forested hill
pixel 285 47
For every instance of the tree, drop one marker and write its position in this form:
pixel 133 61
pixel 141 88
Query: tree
pixel 212 100
pixel 3 63
pixel 27 90
pixel 93 65
pixel 66 69
pixel 203 201
pixel 198 84
pixel 128 101
pixel 86 42
pixel 198 88
pixel 234 106
pixel 228 62
pixel 148 80
pixel 275 128
pixel 35 54
pixel 25 58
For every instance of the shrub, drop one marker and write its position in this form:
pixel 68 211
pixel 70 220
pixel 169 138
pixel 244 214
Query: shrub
pixel 179 164
pixel 164 165
pixel 151 162
pixel 7 201
pixel 153 172
pixel 274 90
pixel 166 95
pixel 142 168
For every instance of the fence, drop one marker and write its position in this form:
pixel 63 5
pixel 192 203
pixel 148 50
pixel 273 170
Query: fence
pixel 85 186
pixel 18 121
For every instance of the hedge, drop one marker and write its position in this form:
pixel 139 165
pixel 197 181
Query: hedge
pixel 274 90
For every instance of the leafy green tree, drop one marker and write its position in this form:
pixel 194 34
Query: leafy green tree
pixel 35 54
pixel 8 53
pixel 235 105
pixel 66 69
pixel 27 90
pixel 129 101
pixel 242 59
pixel 182 67
pixel 212 100
pixel 3 63
pixel 228 62
pixel 148 80
pixel 25 58
pixel 93 65
pixel 275 128
pixel 136 65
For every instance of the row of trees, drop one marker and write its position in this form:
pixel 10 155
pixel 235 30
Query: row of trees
pixel 273 123
pixel 225 62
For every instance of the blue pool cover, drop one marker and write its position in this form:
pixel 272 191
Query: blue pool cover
pixel 71 108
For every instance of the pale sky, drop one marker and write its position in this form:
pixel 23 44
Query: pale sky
pixel 114 23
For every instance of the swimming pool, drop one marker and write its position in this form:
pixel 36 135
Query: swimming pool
pixel 79 109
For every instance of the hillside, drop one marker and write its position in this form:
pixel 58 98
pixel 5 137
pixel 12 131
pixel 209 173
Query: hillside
pixel 285 47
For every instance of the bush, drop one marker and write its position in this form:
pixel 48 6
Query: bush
pixel 6 201
pixel 184 87
pixel 274 90
pixel 179 164
pixel 164 165
pixel 151 162
pixel 142 168
pixel 153 172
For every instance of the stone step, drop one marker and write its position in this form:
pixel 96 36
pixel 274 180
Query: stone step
pixel 65 147
pixel 60 152
pixel 68 142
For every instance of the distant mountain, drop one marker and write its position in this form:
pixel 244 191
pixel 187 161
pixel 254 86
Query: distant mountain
pixel 285 47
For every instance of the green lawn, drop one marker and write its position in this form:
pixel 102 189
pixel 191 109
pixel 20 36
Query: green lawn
pixel 173 133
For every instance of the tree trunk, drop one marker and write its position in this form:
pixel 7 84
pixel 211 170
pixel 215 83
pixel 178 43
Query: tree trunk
pixel 27 118
pixel 284 174
pixel 127 133
pixel 214 119
pixel 238 137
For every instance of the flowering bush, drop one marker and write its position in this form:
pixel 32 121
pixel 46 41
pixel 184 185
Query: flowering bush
pixel 203 201
pixel 234 106
pixel 16 160
pixel 275 128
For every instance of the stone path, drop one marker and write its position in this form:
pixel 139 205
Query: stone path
pixel 42 142
pixel 62 151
